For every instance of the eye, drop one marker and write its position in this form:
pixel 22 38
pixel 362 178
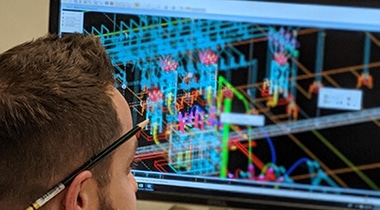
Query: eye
pixel 131 166
pixel 134 163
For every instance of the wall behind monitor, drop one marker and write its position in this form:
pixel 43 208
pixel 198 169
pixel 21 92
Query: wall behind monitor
pixel 22 20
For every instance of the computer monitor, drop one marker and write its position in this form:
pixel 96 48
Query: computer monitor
pixel 254 104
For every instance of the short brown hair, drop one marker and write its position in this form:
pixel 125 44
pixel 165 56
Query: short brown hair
pixel 55 113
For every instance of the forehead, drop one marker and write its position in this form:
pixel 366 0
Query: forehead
pixel 127 150
pixel 122 109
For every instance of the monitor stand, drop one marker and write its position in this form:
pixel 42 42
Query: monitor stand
pixel 145 204
pixel 186 207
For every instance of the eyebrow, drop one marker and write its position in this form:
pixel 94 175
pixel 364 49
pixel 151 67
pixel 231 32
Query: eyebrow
pixel 132 155
pixel 136 144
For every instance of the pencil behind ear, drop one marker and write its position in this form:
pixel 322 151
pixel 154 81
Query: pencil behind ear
pixel 82 193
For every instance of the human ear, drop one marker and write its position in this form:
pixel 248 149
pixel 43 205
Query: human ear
pixel 82 193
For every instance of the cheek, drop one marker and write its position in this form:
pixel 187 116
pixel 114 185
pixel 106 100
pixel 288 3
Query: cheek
pixel 123 193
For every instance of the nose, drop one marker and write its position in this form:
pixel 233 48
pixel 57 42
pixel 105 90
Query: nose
pixel 133 182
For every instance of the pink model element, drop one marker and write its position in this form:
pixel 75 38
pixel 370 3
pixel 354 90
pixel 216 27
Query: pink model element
pixel 251 170
pixel 283 44
pixel 168 64
pixel 208 57
pixel 202 123
pixel 181 123
pixel 280 58
pixel 199 121
pixel 227 93
pixel 155 94
pixel 270 175
pixel 211 116
pixel 196 119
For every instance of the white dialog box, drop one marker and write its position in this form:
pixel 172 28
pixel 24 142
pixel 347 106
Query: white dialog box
pixel 242 119
pixel 72 22
pixel 340 98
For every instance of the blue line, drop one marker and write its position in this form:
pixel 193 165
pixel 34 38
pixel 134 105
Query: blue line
pixel 271 146
pixel 196 107
pixel 295 165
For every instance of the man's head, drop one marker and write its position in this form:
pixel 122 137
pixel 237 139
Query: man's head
pixel 58 108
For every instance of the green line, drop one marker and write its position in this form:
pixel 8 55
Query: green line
pixel 266 166
pixel 225 138
pixel 345 160
pixel 241 97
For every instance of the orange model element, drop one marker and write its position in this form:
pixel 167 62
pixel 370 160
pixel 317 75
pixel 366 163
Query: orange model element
pixel 265 88
pixel 314 88
pixel 292 108
pixel 365 79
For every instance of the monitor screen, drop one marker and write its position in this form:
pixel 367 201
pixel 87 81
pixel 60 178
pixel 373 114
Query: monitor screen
pixel 252 104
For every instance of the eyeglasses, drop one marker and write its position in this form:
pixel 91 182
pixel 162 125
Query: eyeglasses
pixel 88 165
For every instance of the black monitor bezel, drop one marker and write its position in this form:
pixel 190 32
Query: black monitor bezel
pixel 216 198
pixel 54 8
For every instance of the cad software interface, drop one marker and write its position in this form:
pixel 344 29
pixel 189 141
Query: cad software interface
pixel 260 105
